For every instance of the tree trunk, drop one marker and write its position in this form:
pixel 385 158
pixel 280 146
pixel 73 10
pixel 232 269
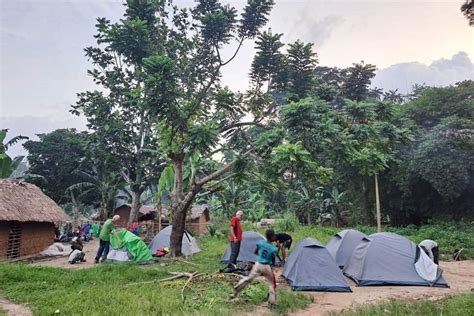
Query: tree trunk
pixel 160 212
pixel 103 210
pixel 377 204
pixel 135 207
pixel 309 218
pixel 179 213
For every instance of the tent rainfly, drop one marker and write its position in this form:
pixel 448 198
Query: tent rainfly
pixel 162 240
pixel 343 243
pixel 391 259
pixel 310 267
pixel 247 248
pixel 128 248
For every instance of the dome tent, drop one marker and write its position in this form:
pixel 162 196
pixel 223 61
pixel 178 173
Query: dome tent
pixel 162 240
pixel 129 248
pixel 247 248
pixel 391 259
pixel 343 243
pixel 310 267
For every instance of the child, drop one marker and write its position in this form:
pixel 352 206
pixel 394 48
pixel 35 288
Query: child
pixel 266 252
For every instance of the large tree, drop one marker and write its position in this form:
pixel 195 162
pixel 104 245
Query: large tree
pixel 160 69
pixel 55 157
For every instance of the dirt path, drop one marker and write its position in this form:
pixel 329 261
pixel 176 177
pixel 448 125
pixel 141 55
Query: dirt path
pixel 459 275
pixel 14 309
pixel 90 249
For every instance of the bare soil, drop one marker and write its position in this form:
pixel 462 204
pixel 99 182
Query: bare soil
pixel 90 249
pixel 14 309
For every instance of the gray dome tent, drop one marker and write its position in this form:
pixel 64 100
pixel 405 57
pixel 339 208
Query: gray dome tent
pixel 247 248
pixel 343 243
pixel 310 267
pixel 391 259
pixel 162 240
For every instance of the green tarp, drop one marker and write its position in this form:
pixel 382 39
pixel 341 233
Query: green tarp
pixel 135 246
pixel 96 230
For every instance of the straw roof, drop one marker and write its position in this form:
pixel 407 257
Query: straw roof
pixel 195 213
pixel 144 209
pixel 25 202
pixel 198 210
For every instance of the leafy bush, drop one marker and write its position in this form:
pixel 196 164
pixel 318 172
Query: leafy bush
pixel 289 223
pixel 212 229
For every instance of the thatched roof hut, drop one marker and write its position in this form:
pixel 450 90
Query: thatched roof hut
pixel 25 202
pixel 27 218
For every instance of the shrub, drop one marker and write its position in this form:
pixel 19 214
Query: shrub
pixel 289 223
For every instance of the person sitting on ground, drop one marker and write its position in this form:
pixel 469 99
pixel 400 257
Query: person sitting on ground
pixel 430 247
pixel 266 252
pixel 235 238
pixel 104 238
pixel 76 242
pixel 283 243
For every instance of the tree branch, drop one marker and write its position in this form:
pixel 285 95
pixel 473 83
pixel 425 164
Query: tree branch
pixel 219 172
pixel 241 124
pixel 235 53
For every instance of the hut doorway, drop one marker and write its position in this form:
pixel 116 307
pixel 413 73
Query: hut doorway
pixel 14 240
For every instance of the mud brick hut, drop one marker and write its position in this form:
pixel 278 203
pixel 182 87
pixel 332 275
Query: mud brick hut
pixel 198 219
pixel 145 213
pixel 27 218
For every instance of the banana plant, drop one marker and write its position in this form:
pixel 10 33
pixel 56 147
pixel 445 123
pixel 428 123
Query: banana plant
pixel 7 164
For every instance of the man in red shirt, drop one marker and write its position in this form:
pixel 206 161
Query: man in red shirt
pixel 235 238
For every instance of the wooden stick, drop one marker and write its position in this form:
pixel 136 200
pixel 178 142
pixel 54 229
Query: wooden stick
pixel 194 275
pixel 176 275
pixel 458 254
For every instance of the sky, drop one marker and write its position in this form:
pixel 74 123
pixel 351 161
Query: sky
pixel 42 63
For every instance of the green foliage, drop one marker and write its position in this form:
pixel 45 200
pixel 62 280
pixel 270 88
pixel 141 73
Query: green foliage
pixel 289 223
pixel 57 156
pixel 8 165
pixel 357 80
pixel 455 305
pixel 467 10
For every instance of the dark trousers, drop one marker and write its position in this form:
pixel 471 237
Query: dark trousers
pixel 103 249
pixel 234 252
pixel 435 252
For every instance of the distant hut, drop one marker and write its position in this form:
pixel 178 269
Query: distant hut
pixel 27 219
pixel 145 213
pixel 198 219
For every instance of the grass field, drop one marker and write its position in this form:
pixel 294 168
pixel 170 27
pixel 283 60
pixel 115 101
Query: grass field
pixel 105 289
pixel 461 305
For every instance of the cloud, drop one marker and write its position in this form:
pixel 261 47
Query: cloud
pixel 315 31
pixel 442 72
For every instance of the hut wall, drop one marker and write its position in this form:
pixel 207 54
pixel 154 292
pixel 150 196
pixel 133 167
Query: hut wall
pixel 36 237
pixel 124 212
pixel 198 225
pixel 4 231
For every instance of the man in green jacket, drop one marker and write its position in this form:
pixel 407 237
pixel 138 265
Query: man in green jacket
pixel 104 237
